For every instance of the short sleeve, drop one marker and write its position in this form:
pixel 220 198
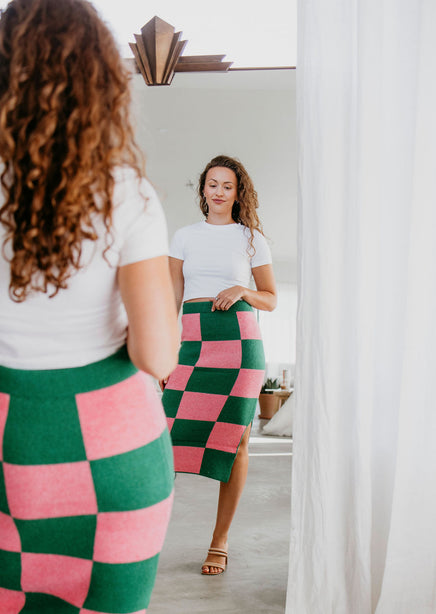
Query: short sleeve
pixel 177 245
pixel 263 252
pixel 141 222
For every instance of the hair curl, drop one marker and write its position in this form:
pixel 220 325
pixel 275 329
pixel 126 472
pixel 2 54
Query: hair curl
pixel 64 127
pixel 244 208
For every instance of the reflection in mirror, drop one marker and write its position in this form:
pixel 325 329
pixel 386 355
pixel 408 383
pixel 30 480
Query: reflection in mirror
pixel 248 114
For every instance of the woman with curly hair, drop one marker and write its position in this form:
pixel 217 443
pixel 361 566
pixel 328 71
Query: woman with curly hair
pixel 210 398
pixel 87 312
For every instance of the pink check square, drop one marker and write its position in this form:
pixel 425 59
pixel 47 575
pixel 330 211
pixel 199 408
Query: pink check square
pixel 248 325
pixel 188 458
pixel 11 602
pixel 201 406
pixel 49 491
pixel 128 537
pixel 46 573
pixel 170 422
pixel 225 437
pixel 179 377
pixel 120 418
pixel 248 383
pixel 216 354
pixel 191 330
pixel 4 407
pixel 9 536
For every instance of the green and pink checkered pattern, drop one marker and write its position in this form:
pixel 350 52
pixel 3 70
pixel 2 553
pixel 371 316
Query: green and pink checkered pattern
pixel 86 483
pixel 211 396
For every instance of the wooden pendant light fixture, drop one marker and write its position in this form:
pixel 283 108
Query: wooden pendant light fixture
pixel 158 54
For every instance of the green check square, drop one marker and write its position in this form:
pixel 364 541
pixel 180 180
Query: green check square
pixel 253 356
pixel 53 428
pixel 135 480
pixel 217 464
pixel 189 353
pixel 41 602
pixel 212 381
pixel 191 432
pixel 238 410
pixel 123 587
pixel 171 401
pixel 219 326
pixel 70 536
pixel 10 567
pixel 4 507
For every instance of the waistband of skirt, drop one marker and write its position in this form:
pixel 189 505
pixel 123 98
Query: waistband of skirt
pixel 205 307
pixel 70 381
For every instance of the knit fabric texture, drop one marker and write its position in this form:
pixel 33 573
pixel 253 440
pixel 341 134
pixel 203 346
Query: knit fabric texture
pixel 211 396
pixel 86 487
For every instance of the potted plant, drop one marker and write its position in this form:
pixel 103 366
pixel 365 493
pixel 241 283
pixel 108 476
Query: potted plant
pixel 269 403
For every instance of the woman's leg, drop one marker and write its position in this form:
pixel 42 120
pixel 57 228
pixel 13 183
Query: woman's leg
pixel 229 495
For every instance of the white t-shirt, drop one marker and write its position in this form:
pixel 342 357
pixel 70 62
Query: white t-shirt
pixel 87 321
pixel 215 257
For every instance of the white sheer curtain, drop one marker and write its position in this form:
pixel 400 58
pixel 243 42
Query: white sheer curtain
pixel 363 536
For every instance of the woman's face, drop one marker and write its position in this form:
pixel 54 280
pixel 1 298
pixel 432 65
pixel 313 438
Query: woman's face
pixel 220 190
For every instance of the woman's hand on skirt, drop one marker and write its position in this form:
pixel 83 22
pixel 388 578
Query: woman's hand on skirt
pixel 228 297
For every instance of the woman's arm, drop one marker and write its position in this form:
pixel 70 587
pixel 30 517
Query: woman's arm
pixel 176 270
pixel 153 333
pixel 178 281
pixel 264 297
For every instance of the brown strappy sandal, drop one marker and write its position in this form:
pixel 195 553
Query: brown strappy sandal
pixel 209 563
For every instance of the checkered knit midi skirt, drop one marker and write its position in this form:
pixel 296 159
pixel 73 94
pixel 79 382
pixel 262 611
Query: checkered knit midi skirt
pixel 211 396
pixel 86 483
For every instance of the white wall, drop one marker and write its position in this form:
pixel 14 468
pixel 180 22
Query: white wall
pixel 279 329
pixel 247 114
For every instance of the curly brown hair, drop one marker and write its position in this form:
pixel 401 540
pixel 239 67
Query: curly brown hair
pixel 244 209
pixel 64 127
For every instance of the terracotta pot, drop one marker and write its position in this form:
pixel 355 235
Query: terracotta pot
pixel 269 405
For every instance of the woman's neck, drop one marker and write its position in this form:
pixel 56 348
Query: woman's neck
pixel 218 220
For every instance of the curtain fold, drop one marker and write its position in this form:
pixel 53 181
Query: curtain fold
pixel 363 537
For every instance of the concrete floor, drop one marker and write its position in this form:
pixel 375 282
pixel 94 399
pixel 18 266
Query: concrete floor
pixel 256 577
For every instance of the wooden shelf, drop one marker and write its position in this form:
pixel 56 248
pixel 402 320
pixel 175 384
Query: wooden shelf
pixel 270 402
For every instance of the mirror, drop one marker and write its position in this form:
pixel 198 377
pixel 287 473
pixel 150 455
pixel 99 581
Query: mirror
pixel 246 113
pixel 249 114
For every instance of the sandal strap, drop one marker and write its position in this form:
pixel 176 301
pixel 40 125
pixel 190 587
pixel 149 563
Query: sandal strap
pixel 217 551
pixel 208 563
